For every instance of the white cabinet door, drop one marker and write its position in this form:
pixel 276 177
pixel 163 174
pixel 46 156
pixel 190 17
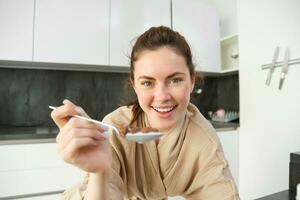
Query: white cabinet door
pixel 72 31
pixel 16 29
pixel 199 24
pixel 230 144
pixel 34 168
pixel 131 18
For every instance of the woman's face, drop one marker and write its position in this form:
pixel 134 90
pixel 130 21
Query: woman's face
pixel 163 85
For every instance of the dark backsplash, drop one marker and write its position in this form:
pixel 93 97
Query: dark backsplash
pixel 218 92
pixel 25 94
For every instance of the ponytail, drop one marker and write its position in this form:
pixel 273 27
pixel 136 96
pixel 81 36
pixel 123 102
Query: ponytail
pixel 137 111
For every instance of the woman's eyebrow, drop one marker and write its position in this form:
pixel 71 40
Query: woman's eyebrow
pixel 168 77
pixel 146 77
pixel 175 74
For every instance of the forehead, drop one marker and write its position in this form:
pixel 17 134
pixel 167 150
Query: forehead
pixel 161 62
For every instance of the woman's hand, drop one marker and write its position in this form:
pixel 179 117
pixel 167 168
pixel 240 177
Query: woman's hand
pixel 81 143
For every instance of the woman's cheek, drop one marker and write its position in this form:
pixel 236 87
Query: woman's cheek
pixel 144 98
pixel 183 94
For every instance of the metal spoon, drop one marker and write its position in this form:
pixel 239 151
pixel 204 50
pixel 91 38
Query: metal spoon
pixel 138 137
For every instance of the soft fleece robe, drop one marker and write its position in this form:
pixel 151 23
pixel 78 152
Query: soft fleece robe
pixel 188 161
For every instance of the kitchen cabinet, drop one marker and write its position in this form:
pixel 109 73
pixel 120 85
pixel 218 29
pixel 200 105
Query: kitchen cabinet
pixel 230 144
pixel 34 168
pixel 198 23
pixel 227 13
pixel 102 32
pixel 229 53
pixel 16 33
pixel 131 18
pixel 72 31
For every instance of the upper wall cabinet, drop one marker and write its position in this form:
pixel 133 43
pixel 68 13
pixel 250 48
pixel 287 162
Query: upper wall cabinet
pixel 16 28
pixel 199 24
pixel 72 31
pixel 130 18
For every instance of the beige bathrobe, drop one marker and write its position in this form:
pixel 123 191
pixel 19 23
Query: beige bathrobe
pixel 188 161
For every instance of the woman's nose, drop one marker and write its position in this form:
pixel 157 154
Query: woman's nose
pixel 162 94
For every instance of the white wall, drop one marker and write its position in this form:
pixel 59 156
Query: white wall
pixel 269 118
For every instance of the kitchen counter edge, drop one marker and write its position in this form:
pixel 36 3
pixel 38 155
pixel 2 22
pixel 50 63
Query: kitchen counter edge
pixel 52 140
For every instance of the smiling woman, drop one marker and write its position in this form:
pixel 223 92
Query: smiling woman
pixel 163 85
pixel 162 75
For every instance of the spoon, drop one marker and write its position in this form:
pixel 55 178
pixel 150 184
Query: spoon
pixel 138 137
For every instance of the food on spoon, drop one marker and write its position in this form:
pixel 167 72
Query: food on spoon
pixel 133 130
pixel 123 130
pixel 142 130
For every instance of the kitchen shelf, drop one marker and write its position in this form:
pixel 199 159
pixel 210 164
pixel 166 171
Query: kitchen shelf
pixel 231 70
pixel 225 72
pixel 229 52
pixel 229 39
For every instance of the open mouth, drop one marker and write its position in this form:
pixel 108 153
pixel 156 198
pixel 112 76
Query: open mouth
pixel 164 109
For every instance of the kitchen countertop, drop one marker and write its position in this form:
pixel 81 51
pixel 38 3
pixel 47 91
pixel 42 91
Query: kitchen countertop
pixel 284 195
pixel 27 135
pixel 225 126
pixel 30 135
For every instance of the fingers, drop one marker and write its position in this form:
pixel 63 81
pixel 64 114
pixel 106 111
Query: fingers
pixel 62 113
pixel 79 140
pixel 78 110
pixel 75 123
pixel 79 133
pixel 71 152
pixel 78 129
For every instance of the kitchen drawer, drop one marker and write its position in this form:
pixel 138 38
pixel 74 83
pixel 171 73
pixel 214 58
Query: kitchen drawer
pixel 30 181
pixel 34 168
pixel 29 156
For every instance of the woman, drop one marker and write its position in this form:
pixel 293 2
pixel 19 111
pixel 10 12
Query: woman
pixel 187 161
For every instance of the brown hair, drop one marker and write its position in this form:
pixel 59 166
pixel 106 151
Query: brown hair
pixel 152 39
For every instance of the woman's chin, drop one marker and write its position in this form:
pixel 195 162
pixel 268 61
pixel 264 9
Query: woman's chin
pixel 164 128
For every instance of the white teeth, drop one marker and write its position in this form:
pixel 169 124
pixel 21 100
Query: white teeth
pixel 163 109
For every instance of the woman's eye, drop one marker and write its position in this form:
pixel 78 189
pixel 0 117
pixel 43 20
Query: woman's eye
pixel 146 83
pixel 175 80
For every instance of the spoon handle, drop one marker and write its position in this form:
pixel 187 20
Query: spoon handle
pixel 91 120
